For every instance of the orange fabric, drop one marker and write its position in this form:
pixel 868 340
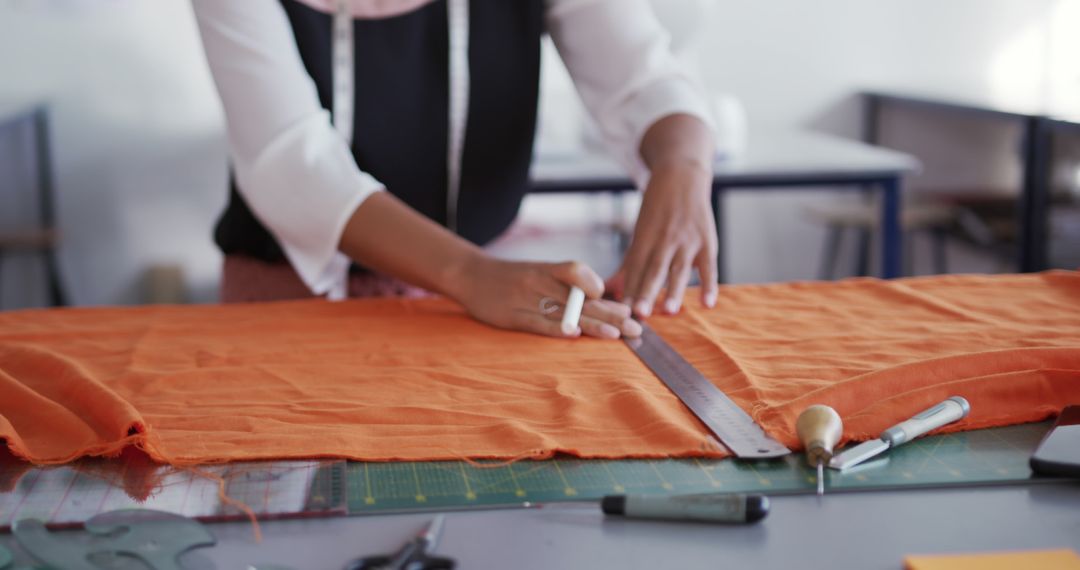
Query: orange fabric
pixel 417 379
pixel 1062 559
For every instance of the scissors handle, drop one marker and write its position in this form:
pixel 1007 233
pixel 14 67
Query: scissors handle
pixel 421 562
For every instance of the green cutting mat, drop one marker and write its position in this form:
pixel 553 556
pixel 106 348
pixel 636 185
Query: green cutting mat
pixel 998 455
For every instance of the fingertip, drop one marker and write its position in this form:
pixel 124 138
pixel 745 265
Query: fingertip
pixel 608 331
pixel 631 328
pixel 577 274
pixel 672 305
pixel 590 280
pixel 643 308
pixel 595 290
pixel 614 284
pixel 709 298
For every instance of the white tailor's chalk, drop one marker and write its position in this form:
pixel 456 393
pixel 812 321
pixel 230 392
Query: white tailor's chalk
pixel 574 302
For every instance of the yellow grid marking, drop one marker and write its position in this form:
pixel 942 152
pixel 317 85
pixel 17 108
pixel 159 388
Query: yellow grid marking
pixel 614 482
pixel 708 473
pixel 369 498
pixel 518 491
pixel 764 480
pixel 469 494
pixel 664 483
pixel 420 498
pixel 567 489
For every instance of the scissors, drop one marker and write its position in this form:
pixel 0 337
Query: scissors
pixel 413 555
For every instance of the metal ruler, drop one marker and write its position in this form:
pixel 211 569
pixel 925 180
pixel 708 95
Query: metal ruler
pixel 734 427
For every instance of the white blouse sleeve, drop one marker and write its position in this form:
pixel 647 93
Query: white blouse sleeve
pixel 294 170
pixel 620 60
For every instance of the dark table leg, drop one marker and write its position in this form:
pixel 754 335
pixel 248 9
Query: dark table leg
pixel 1035 197
pixel 891 238
pixel 718 215
pixel 863 237
pixel 48 219
pixel 871 119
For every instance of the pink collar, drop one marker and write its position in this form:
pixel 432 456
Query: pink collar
pixel 369 9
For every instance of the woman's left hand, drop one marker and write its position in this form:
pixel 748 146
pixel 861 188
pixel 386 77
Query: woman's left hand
pixel 675 233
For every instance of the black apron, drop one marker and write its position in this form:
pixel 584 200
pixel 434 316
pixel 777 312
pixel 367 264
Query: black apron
pixel 402 113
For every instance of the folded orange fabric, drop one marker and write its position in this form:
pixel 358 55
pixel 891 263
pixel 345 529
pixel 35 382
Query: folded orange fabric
pixel 413 380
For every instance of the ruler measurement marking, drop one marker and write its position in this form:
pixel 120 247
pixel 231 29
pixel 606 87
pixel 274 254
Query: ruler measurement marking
pixel 733 426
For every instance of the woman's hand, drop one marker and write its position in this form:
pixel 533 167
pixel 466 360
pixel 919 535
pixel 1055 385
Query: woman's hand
pixel 388 236
pixel 675 231
pixel 521 296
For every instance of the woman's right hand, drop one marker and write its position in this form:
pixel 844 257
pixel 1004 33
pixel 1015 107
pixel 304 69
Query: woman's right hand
pixel 388 236
pixel 514 295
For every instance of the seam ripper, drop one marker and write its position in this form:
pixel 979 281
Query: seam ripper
pixel 947 412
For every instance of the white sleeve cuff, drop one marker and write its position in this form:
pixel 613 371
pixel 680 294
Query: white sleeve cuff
pixel 621 62
pixel 663 98
pixel 304 186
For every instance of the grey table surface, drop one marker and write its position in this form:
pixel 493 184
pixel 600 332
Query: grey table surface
pixel 863 530
pixel 769 154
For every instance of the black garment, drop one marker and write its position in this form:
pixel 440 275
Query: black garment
pixel 402 108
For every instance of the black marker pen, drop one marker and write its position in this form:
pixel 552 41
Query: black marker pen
pixel 706 507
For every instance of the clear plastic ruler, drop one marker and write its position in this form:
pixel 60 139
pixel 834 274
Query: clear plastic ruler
pixel 731 425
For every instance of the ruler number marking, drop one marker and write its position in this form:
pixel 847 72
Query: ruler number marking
pixel 733 426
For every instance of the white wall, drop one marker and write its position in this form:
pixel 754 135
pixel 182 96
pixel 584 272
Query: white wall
pixel 140 152
pixel 793 62
pixel 800 64
pixel 137 137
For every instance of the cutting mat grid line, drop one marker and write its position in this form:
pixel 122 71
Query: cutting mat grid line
pixel 71 494
pixel 998 455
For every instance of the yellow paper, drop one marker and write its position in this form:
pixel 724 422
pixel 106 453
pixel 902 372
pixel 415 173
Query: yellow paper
pixel 1041 559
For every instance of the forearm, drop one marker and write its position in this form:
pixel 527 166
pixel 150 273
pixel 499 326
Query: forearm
pixel 675 232
pixel 390 237
pixel 678 140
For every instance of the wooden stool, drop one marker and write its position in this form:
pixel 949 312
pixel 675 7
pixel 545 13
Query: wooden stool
pixel 864 218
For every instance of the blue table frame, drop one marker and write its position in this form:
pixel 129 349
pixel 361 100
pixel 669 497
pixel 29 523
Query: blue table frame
pixel 780 160
pixel 1039 126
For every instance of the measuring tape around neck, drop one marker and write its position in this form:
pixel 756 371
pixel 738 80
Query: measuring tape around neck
pixel 344 90
pixel 344 93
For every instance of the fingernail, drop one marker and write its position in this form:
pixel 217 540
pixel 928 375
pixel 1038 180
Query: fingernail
pixel 671 306
pixel 608 331
pixel 644 309
pixel 710 300
pixel 631 328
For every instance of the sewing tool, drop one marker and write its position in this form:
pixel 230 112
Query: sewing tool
pixel 946 412
pixel 819 428
pixel 734 427
pixel 572 312
pixel 154 538
pixel 705 507
pixel 413 555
